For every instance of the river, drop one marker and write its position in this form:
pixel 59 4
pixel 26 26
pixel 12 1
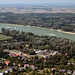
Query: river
pixel 39 31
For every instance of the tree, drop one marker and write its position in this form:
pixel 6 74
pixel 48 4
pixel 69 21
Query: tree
pixel 31 52
pixel 3 30
pixel 63 62
pixel 13 73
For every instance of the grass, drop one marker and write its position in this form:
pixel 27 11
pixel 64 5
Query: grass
pixel 46 69
pixel 4 69
pixel 35 56
pixel 3 37
pixel 71 60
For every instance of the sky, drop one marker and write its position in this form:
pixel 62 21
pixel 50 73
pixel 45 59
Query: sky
pixel 37 1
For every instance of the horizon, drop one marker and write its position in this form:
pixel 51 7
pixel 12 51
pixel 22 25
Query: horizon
pixel 48 4
pixel 33 2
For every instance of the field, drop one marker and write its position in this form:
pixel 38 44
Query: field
pixel 4 69
pixel 38 9
pixel 3 37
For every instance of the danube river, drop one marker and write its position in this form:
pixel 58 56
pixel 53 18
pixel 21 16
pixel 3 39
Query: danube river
pixel 39 31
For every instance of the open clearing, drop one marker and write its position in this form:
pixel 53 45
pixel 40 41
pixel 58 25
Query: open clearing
pixel 3 37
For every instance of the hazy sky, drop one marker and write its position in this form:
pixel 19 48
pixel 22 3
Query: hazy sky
pixel 37 1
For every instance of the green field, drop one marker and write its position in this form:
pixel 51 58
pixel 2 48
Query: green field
pixel 3 37
pixel 72 60
pixel 4 69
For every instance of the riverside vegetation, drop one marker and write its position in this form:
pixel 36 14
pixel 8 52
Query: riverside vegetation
pixel 63 21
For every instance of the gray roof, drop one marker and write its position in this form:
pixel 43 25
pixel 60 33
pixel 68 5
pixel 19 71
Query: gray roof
pixel 61 70
pixel 74 72
pixel 69 71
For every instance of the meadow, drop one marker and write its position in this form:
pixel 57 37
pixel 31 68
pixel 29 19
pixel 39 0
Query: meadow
pixel 3 37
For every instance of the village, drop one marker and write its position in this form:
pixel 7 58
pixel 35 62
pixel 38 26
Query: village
pixel 36 54
pixel 20 55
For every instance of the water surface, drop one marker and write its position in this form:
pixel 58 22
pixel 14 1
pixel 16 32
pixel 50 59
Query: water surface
pixel 39 31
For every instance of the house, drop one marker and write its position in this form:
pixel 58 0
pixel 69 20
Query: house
pixel 15 55
pixel 62 70
pixel 46 55
pixel 19 65
pixel 33 67
pixel 44 60
pixel 26 65
pixel 51 74
pixel 73 72
pixel 66 53
pixel 53 69
pixel 6 41
pixel 40 52
pixel 1 73
pixel 46 50
pixel 10 69
pixel 6 50
pixel 69 72
pixel 0 67
pixel 51 51
pixel 28 57
pixel 54 53
pixel 27 45
pixel 16 52
pixel 7 62
pixel 14 64
pixel 21 68
pixel 6 71
pixel 70 63
pixel 40 70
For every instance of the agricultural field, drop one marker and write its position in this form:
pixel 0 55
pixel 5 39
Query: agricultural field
pixel 3 37
pixel 38 9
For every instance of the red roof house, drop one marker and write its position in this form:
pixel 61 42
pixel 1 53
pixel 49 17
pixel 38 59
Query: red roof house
pixel 53 69
pixel 7 62
pixel 32 66
pixel 19 65
pixel 26 65
pixel 15 55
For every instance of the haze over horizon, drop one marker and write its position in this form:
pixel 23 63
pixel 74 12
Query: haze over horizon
pixel 37 2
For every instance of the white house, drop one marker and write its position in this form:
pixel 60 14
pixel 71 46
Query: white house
pixel 1 73
pixel 39 52
pixel 69 72
pixel 74 73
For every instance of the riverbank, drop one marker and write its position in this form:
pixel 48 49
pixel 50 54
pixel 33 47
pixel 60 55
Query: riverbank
pixel 12 24
pixel 53 29
pixel 65 32
pixel 41 27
